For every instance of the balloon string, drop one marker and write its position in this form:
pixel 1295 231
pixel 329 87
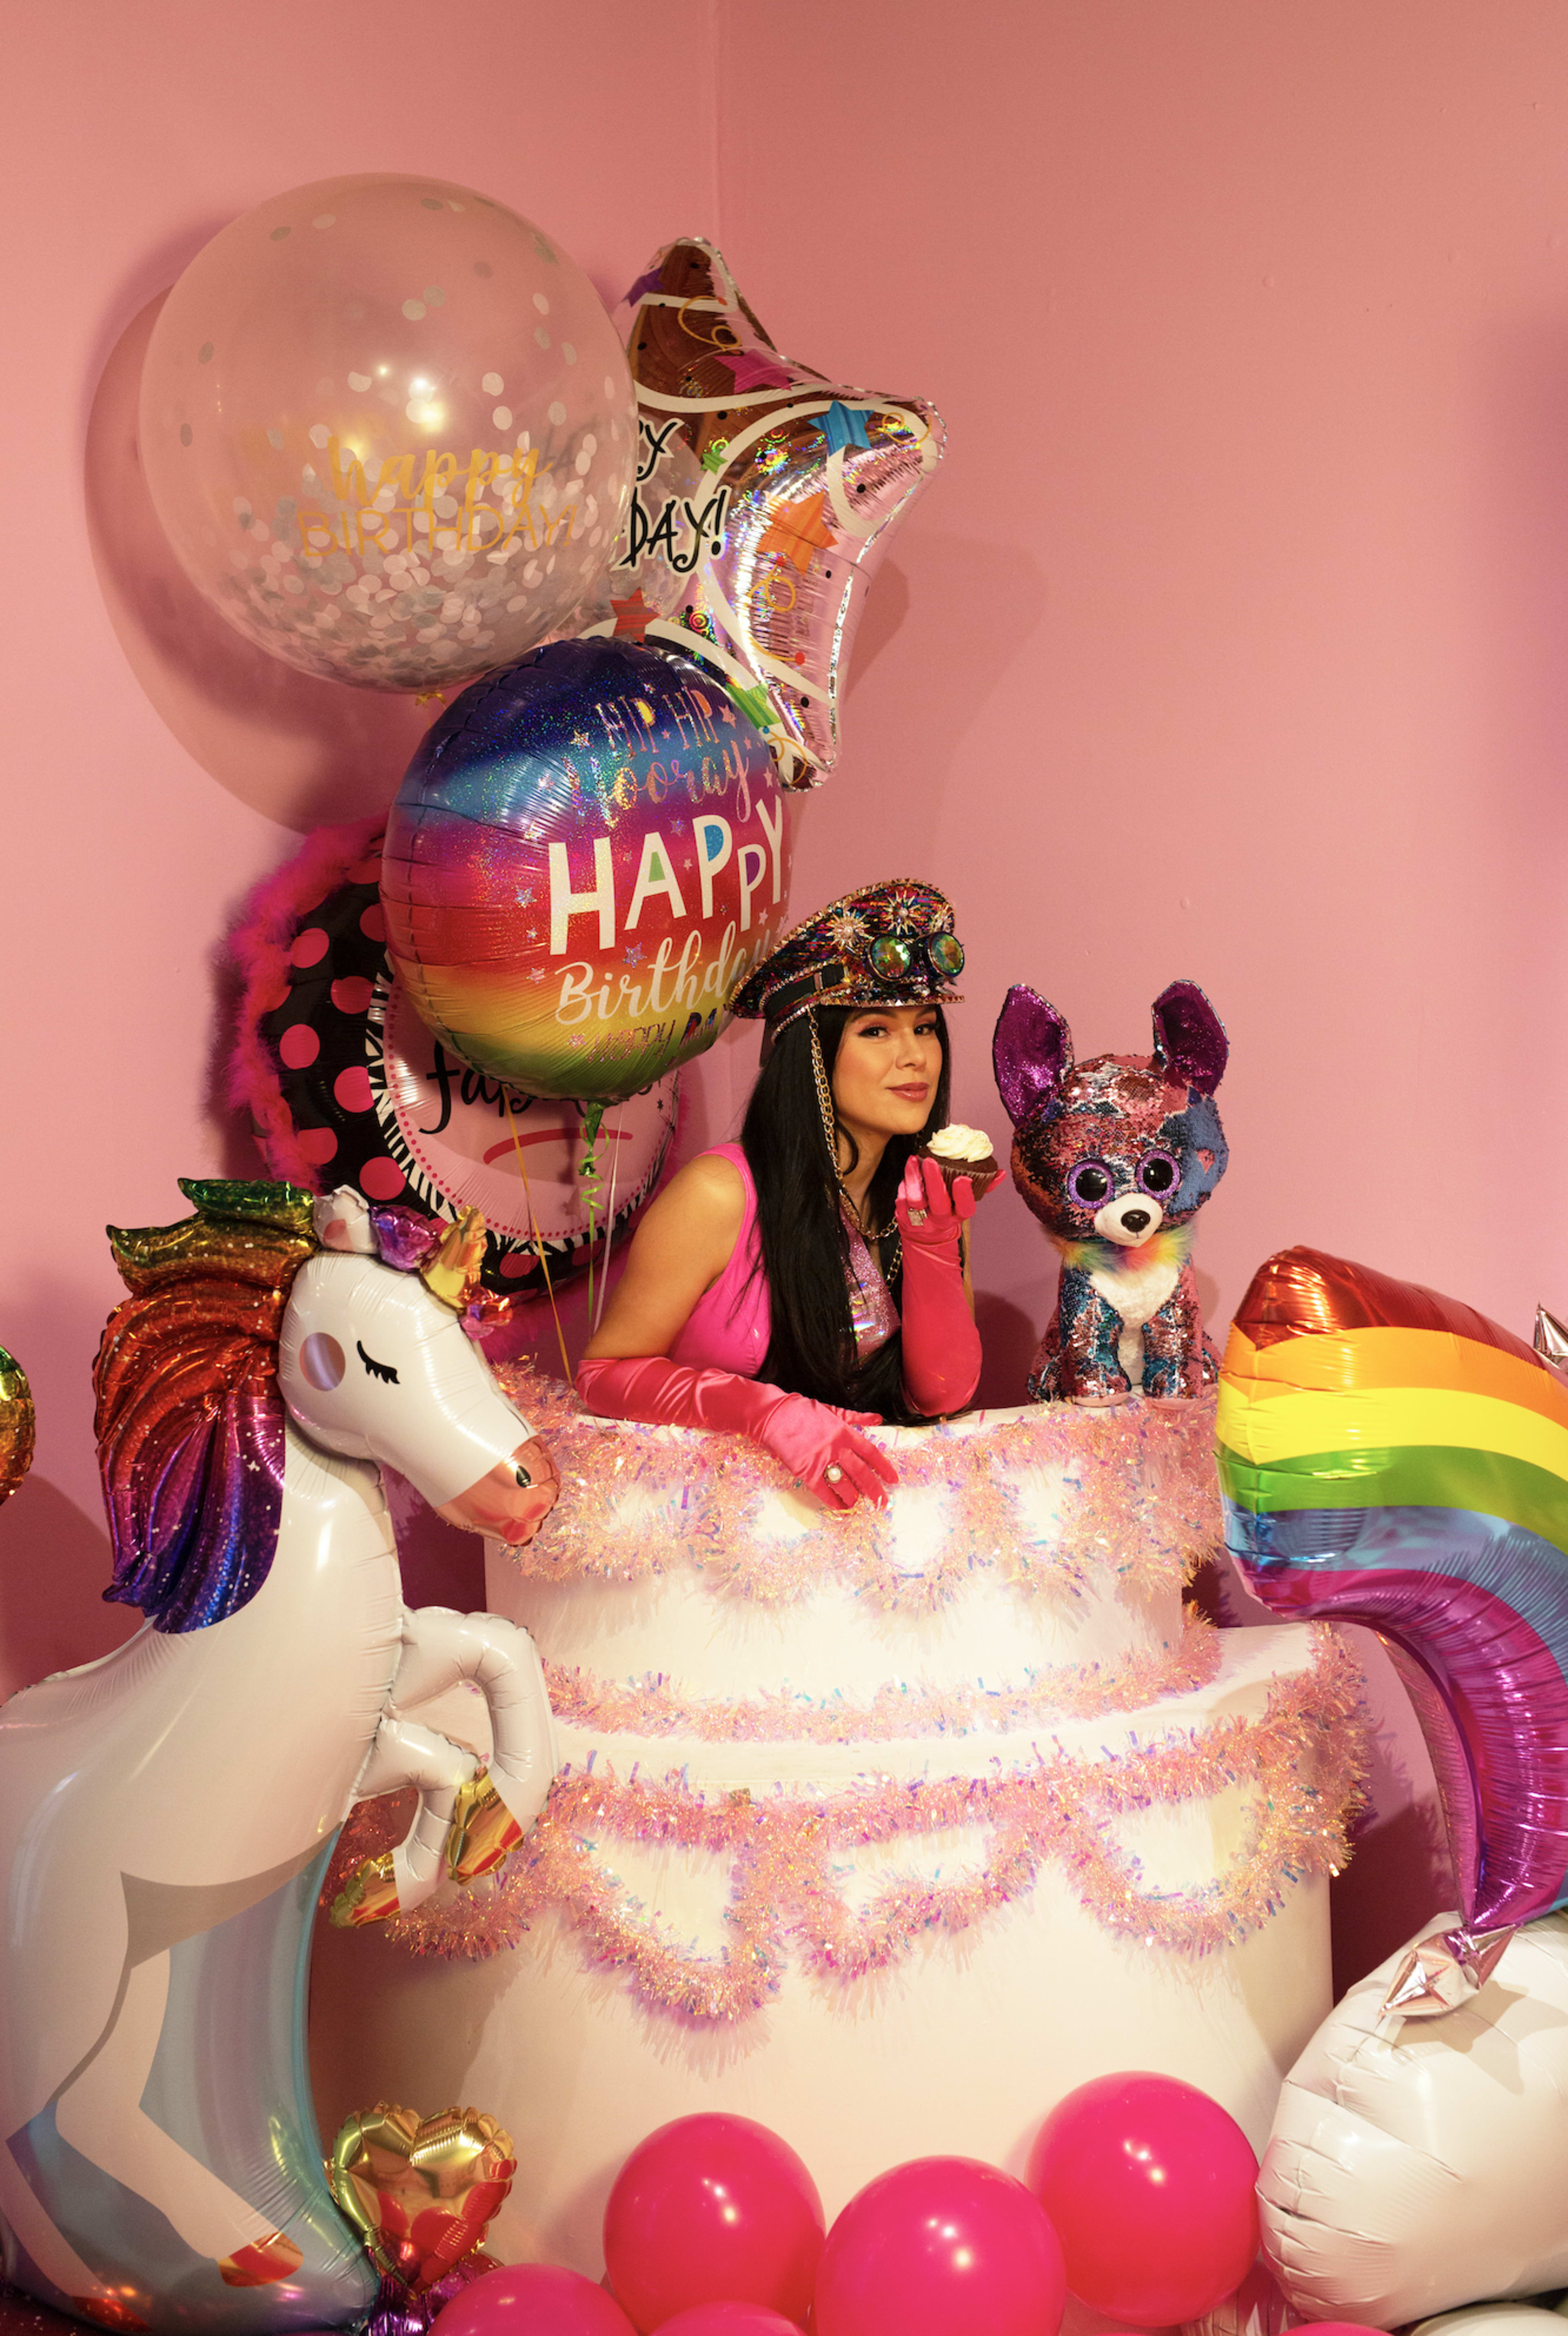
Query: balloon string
pixel 593 1119
pixel 592 1197
pixel 608 1226
pixel 538 1244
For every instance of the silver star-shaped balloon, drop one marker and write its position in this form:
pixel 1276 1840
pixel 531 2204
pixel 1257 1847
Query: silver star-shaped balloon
pixel 765 498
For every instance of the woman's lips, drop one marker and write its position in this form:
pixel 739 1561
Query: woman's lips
pixel 913 1094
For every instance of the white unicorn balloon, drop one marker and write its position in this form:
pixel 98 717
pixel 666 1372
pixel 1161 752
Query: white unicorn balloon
pixel 1419 2164
pixel 166 1815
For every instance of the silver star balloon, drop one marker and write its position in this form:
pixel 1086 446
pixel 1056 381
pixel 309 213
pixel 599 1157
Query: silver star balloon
pixel 764 497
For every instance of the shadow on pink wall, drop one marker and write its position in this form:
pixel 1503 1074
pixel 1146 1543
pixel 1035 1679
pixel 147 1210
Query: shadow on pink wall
pixel 302 752
pixel 54 1564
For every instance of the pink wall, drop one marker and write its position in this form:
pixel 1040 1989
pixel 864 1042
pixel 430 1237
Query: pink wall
pixel 1227 643
pixel 157 767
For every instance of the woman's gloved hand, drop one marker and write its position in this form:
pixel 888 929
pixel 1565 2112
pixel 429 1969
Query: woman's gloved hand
pixel 817 1441
pixel 929 1215
pixel 818 1445
pixel 941 1346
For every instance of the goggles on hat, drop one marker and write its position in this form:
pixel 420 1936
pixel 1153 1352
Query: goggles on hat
pixel 889 960
pixel 890 956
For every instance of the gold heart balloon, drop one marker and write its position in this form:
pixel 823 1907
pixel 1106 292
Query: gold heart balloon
pixel 16 1425
pixel 420 2191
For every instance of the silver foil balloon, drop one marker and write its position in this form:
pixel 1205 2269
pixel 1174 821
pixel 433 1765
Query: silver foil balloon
pixel 764 497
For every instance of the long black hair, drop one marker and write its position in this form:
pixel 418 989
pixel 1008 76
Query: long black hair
pixel 805 1244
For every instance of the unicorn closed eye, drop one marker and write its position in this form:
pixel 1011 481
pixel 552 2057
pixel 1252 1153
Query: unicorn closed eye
pixel 166 1815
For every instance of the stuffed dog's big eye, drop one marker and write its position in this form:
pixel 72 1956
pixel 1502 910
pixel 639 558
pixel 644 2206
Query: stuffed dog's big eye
pixel 1158 1173
pixel 1089 1184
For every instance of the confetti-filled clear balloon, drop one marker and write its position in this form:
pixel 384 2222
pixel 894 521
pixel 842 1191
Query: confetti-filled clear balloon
pixel 763 499
pixel 388 426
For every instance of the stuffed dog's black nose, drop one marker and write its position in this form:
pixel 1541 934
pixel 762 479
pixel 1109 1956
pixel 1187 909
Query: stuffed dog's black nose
pixel 1134 1220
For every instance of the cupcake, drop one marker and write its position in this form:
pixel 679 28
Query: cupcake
pixel 964 1152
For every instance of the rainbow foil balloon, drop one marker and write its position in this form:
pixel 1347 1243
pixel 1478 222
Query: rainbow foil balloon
pixel 1391 1457
pixel 587 855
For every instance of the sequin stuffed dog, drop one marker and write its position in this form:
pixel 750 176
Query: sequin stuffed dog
pixel 1115 1157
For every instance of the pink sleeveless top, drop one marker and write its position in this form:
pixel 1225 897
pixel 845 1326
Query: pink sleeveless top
pixel 729 1328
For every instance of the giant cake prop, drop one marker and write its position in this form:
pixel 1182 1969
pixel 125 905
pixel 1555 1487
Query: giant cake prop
pixel 885 1830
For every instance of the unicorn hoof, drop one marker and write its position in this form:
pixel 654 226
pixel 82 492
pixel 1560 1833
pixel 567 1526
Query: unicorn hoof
pixel 484 1833
pixel 107 2312
pixel 369 1894
pixel 261 2262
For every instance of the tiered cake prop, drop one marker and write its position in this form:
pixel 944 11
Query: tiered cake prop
pixel 877 1823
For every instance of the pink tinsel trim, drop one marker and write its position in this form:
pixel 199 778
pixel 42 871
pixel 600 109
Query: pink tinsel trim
pixel 1135 1495
pixel 1303 1765
pixel 656 1707
pixel 259 948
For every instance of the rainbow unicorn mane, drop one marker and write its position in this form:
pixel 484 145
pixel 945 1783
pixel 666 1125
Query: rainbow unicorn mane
pixel 189 1417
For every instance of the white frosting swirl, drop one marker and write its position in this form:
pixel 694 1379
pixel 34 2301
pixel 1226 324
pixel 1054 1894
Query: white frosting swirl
pixel 959 1142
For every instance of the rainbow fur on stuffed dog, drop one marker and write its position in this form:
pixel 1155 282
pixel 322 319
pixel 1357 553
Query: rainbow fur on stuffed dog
pixel 1115 1157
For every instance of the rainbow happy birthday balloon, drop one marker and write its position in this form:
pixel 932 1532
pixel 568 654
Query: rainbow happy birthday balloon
pixel 1391 1457
pixel 586 856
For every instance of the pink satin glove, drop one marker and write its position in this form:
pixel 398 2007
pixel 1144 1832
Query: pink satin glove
pixel 940 1343
pixel 817 1441
pixel 928 1214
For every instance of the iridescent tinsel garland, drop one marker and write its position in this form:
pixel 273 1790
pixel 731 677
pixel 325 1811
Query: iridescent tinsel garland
pixel 1303 1762
pixel 1134 1490
pixel 656 1707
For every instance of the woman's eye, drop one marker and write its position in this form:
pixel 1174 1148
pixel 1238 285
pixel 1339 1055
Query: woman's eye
pixel 1089 1184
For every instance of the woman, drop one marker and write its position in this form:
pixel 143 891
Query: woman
pixel 810 1280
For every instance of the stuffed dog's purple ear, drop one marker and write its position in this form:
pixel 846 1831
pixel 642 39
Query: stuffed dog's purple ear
pixel 1189 1036
pixel 1031 1053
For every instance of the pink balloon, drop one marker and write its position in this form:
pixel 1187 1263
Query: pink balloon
pixel 728 2320
pixel 1150 2184
pixel 712 2209
pixel 938 2246
pixel 533 2300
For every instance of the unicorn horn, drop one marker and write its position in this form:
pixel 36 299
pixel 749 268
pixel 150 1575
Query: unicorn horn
pixel 1551 1337
pixel 452 1268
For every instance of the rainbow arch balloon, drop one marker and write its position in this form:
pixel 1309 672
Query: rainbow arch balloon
pixel 1390 1456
